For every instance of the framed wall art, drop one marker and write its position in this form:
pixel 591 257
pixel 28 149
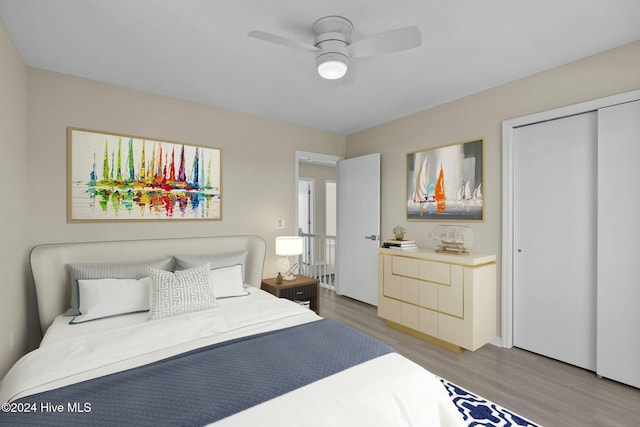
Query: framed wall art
pixel 445 183
pixel 116 177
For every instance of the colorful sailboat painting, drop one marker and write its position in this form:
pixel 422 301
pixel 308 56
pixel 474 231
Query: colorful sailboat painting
pixel 122 177
pixel 445 183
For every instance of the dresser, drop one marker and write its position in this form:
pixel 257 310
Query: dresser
pixel 446 299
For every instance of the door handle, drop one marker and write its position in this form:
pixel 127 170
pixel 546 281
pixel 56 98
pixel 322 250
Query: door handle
pixel 372 237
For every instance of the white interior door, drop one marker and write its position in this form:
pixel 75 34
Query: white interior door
pixel 618 249
pixel 330 212
pixel 358 228
pixel 305 205
pixel 554 239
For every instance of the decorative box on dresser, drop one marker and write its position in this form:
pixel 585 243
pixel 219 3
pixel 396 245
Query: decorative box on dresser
pixel 447 299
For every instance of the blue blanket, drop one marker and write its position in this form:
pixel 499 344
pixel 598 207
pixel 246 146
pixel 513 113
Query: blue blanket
pixel 203 385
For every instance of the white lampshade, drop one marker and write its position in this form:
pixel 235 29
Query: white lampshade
pixel 332 66
pixel 289 245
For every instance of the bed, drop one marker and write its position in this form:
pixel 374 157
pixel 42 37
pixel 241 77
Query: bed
pixel 178 332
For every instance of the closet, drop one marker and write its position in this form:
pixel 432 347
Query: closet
pixel 554 297
pixel 618 312
pixel 575 239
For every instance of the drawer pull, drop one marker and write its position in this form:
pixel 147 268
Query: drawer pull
pixel 299 293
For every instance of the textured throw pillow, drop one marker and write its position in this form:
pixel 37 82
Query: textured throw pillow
pixel 227 282
pixel 223 259
pixel 133 270
pixel 100 298
pixel 181 292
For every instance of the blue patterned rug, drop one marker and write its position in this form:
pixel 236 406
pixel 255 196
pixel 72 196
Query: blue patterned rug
pixel 478 411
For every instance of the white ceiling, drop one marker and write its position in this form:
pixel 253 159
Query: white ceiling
pixel 198 50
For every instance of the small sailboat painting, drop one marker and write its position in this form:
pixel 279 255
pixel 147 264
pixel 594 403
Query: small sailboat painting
pixel 445 183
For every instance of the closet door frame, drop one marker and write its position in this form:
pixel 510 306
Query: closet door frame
pixel 508 126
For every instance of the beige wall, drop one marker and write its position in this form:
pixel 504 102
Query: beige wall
pixel 14 247
pixel 480 115
pixel 258 158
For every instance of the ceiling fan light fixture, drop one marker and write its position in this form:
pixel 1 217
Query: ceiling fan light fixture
pixel 332 66
pixel 333 47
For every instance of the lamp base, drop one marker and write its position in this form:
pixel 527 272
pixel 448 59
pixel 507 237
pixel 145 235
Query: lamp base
pixel 288 275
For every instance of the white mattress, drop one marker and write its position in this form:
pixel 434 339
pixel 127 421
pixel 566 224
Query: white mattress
pixel 386 391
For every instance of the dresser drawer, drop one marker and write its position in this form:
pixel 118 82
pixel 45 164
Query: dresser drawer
pixel 428 295
pixel 410 316
pixel 410 290
pixel 299 292
pixel 437 272
pixel 451 297
pixel 428 321
pixel 390 309
pixel 407 267
pixel 392 285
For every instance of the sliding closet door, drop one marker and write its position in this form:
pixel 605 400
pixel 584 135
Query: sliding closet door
pixel 619 243
pixel 554 264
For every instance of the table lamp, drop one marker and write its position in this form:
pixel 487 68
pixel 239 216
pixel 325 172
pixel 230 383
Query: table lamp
pixel 288 246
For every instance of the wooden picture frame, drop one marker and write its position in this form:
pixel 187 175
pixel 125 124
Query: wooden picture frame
pixel 446 183
pixel 118 177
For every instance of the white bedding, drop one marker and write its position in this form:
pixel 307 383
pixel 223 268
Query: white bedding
pixel 60 328
pixel 386 391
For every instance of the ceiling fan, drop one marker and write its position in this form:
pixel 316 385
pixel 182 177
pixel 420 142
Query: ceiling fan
pixel 333 47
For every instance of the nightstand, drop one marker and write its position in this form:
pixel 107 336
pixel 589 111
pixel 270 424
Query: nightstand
pixel 302 289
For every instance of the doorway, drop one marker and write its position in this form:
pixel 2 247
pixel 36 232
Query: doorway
pixel 316 215
pixel 357 264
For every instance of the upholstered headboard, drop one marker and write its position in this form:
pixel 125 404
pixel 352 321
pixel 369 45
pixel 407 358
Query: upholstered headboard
pixel 51 276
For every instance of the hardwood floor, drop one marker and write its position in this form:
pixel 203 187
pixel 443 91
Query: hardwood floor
pixel 544 390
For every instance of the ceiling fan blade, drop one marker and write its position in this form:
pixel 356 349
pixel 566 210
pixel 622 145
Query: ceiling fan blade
pixel 284 41
pixel 391 41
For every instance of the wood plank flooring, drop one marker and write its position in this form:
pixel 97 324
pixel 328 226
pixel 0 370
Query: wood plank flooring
pixel 544 390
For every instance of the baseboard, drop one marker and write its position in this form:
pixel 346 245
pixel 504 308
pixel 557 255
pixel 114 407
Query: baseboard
pixel 497 341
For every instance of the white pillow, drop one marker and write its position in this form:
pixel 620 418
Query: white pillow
pixel 217 260
pixel 99 298
pixel 120 270
pixel 226 282
pixel 181 292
